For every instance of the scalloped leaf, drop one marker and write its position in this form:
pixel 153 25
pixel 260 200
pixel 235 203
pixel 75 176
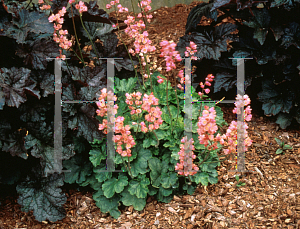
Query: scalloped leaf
pixel 112 186
pixel 210 42
pixel 82 115
pixel 284 120
pixel 40 50
pixel 260 24
pixel 14 81
pixel 139 188
pixel 288 4
pixel 291 36
pixel 29 22
pixel 140 164
pixel 44 198
pixel 46 152
pixel 195 15
pixel 79 169
pixel 132 200
pixel 107 205
pixel 273 102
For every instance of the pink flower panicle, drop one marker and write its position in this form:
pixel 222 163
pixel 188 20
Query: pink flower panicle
pixel 208 79
pixel 132 99
pixel 186 157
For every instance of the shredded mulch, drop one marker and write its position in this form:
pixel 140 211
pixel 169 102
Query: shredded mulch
pixel 270 198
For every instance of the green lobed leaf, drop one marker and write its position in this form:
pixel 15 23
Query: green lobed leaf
pixel 140 164
pixel 132 200
pixel 139 188
pixel 107 205
pixel 112 186
pixel 168 179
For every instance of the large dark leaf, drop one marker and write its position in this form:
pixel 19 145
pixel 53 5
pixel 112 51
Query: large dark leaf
pixel 82 115
pixel 288 4
pixel 203 9
pixel 79 169
pixel 29 22
pixel 273 101
pixel 291 36
pixel 13 82
pixel 87 76
pixel 46 81
pixel 210 42
pixel 260 24
pixel 284 120
pixel 40 50
pixel 44 197
pixel 14 144
pixel 220 3
pixel 96 29
pixel 46 153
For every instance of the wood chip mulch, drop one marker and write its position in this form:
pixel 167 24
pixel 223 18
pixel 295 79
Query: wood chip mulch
pixel 270 198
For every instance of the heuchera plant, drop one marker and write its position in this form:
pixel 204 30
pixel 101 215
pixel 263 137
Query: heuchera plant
pixel 266 33
pixel 153 151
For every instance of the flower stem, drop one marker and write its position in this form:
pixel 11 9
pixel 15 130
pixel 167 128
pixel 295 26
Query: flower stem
pixel 89 37
pixel 76 36
pixel 131 59
pixel 168 106
pixel 127 167
pixel 177 104
pixel 156 139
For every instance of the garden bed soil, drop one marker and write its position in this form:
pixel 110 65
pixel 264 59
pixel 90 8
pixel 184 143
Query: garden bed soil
pixel 270 198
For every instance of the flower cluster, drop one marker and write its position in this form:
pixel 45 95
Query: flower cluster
pixel 207 127
pixel 191 51
pixel 112 3
pixel 208 79
pixel 168 51
pixel 125 137
pixel 231 133
pixel 103 108
pixel 80 6
pixel 187 53
pixel 146 5
pixel 142 44
pixel 59 35
pixel 186 157
pixel 45 6
pixel 134 98
pixel 154 113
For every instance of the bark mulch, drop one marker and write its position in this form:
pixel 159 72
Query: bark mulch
pixel 270 198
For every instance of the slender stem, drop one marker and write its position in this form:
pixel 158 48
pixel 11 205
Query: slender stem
pixel 77 55
pixel 198 164
pixel 127 167
pixel 169 107
pixel 156 139
pixel 131 58
pixel 89 37
pixel 177 104
pixel 76 36
pixel 189 178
